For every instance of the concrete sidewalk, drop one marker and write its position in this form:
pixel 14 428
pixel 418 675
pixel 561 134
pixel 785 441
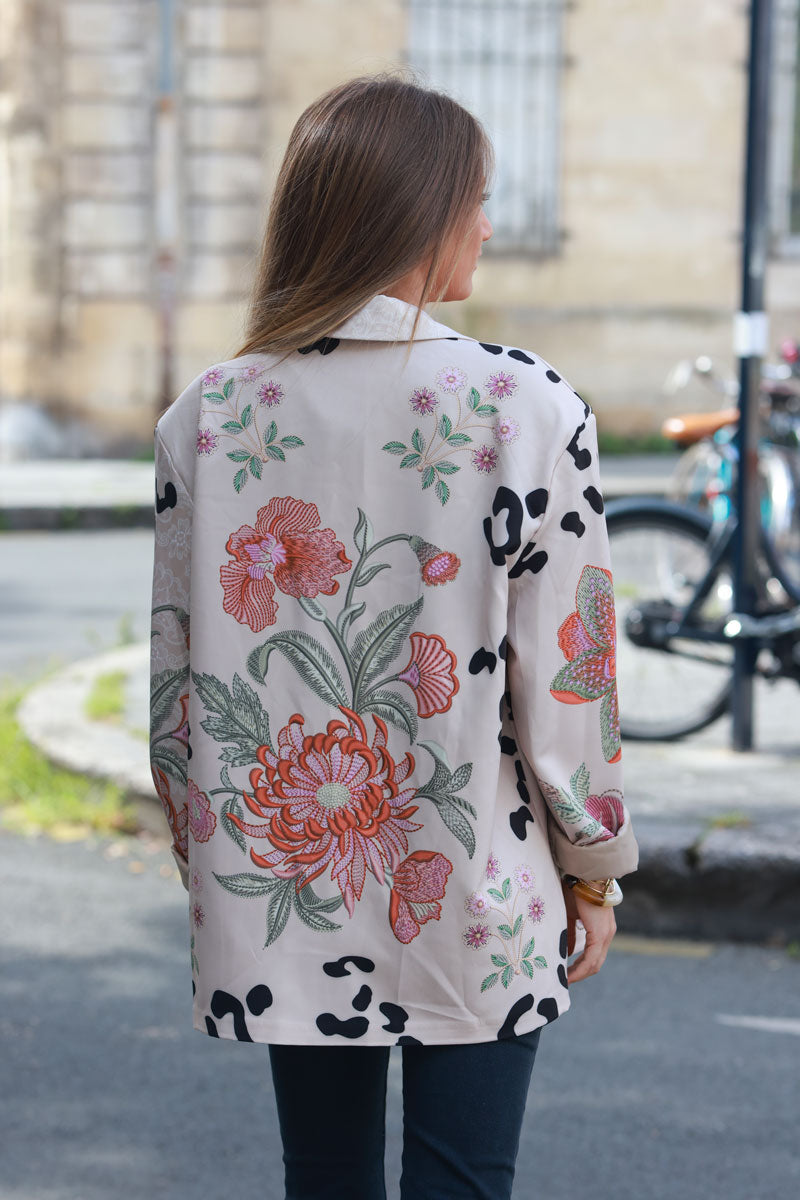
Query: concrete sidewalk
pixel 719 832
pixel 107 493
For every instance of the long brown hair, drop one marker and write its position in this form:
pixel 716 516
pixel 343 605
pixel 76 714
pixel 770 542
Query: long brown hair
pixel 379 176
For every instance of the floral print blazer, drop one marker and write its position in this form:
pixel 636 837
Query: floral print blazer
pixel 383 705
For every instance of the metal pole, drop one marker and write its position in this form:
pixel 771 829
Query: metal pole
pixel 750 344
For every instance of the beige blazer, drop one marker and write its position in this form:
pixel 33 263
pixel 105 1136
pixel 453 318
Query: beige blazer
pixel 383 707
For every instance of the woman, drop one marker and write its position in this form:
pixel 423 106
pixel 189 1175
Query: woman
pixel 393 742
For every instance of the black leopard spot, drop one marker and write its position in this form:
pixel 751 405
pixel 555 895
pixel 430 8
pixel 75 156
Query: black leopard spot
pixel 521 356
pixel 502 649
pixel 507 698
pixel 211 1028
pixel 581 458
pixel 551 375
pixel 517 1010
pixel 353 1027
pixel 452 338
pixel 224 1004
pixel 258 999
pixel 325 345
pixel 572 523
pixel 562 976
pixel 528 561
pixel 548 1009
pixel 362 1000
pixel 522 785
pixel 396 1017
pixel 586 408
pixel 518 821
pixel 482 660
pixel 168 500
pixel 536 501
pixel 563 943
pixel 490 348
pixel 595 499
pixel 339 968
pixel 408 1040
pixel 507 744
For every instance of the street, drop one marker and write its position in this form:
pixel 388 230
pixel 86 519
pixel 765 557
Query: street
pixel 674 1075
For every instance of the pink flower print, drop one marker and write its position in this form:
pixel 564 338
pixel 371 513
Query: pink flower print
pixel 197 881
pixel 254 371
pixel 423 401
pixel 536 909
pixel 437 566
pixel 608 809
pixel 524 877
pixel 492 868
pixel 202 821
pixel 198 915
pixel 270 393
pixel 501 384
pixel 418 885
pixel 450 379
pixel 477 905
pixel 206 441
pixel 476 936
pixel 484 459
pixel 431 674
pixel 212 377
pixel 505 431
pixel 587 639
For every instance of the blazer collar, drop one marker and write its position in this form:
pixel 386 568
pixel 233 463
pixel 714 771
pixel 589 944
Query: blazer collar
pixel 387 319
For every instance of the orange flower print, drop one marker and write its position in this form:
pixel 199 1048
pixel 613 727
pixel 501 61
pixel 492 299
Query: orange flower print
pixel 202 821
pixel 417 887
pixel 431 674
pixel 437 566
pixel 587 639
pixel 285 549
pixel 331 800
pixel 177 819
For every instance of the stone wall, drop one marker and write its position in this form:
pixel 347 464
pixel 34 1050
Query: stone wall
pixel 141 138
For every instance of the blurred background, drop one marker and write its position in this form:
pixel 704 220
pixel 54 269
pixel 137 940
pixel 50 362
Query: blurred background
pixel 139 140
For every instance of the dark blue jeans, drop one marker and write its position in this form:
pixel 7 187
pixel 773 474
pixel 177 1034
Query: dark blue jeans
pixel 462 1115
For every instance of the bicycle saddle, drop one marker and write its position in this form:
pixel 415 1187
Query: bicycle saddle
pixel 692 427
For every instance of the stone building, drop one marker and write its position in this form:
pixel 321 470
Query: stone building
pixel 139 140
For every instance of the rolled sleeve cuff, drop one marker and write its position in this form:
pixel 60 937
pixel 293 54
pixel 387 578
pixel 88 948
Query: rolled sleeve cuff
pixel 614 857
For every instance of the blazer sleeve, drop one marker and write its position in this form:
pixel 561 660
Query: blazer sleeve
pixel 561 670
pixel 169 650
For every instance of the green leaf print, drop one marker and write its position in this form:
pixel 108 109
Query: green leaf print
pixel 291 441
pixel 228 388
pixel 428 476
pixel 499 960
pixel 579 784
pixel 395 447
pixel 459 439
pixel 367 576
pixel 489 982
pixel 417 441
pixel 257 662
pixel 474 398
pixel 498 896
pixel 527 968
pixel 238 455
pixel 247 415
pixel 410 460
pixel 508 976
pixel 518 924
pixel 236 718
pixel 233 427
pixel 232 805
pixel 278 908
pixel 445 426
pixel 348 615
pixel 505 930
pixel 270 433
pixel 313 607
pixel 506 886
pixel 442 492
pixel 165 689
pixel 363 534
pixel 456 822
pixel 485 410
pixel 170 764
pixel 255 467
pixel 313 663
pixel 540 962
pixel 275 452
pixel 310 909
pixel 392 707
pixel 217 397
pixel 460 777
pixel 529 947
pixel 248 885
pixel 447 468
pixel 383 639
pixel 240 479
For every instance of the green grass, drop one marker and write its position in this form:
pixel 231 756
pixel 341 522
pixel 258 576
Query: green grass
pixel 37 797
pixel 633 443
pixel 106 700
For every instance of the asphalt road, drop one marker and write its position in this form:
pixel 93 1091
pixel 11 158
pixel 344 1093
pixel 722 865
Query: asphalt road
pixel 646 1088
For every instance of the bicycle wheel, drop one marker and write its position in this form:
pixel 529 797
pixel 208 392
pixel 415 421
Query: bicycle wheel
pixel 668 686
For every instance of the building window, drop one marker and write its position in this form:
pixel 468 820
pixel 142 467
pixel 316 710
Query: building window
pixel 785 129
pixel 502 59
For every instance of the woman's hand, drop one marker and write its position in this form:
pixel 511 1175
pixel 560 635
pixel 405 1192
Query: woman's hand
pixel 600 925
